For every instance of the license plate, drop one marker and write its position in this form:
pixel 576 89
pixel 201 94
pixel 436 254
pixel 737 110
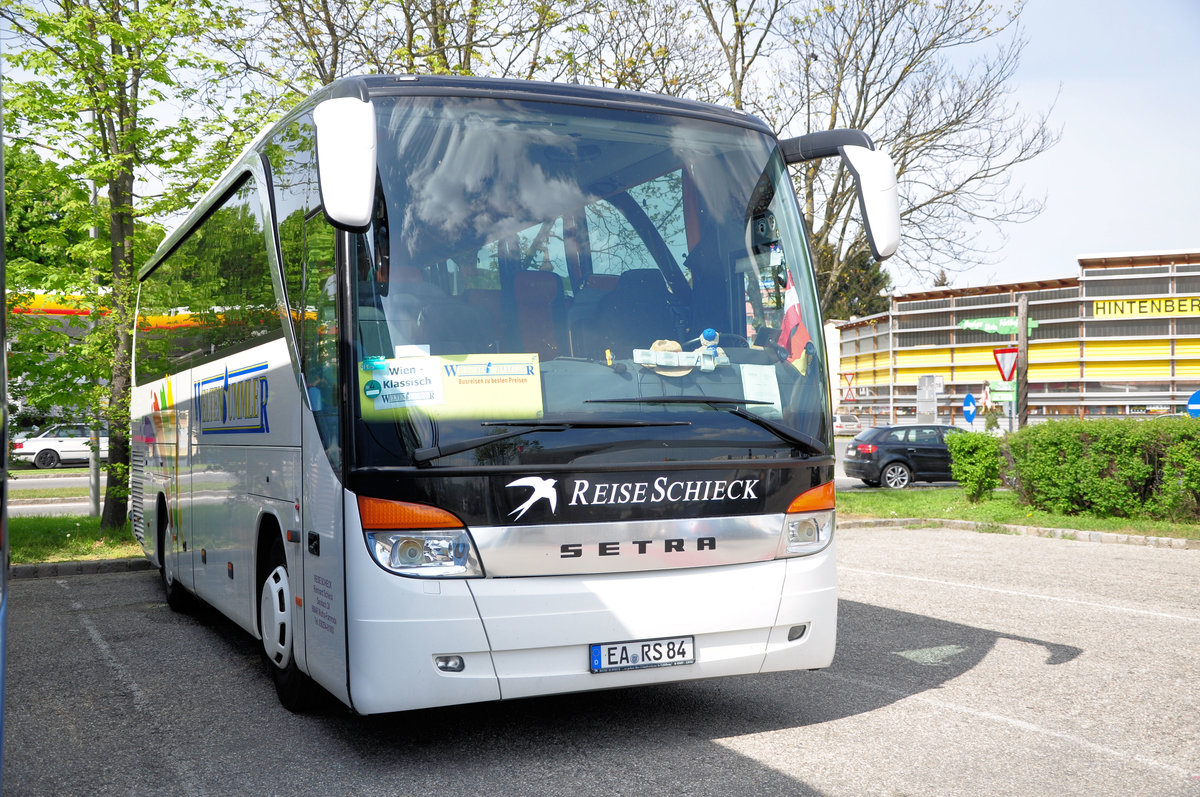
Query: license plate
pixel 642 653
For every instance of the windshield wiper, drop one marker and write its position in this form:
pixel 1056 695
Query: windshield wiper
pixel 734 406
pixel 422 456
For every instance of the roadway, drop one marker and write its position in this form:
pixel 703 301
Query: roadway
pixel 968 664
pixel 32 481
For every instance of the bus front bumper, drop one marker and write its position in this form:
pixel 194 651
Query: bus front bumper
pixel 533 636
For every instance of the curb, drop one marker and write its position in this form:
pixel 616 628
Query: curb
pixel 1105 537
pixel 82 568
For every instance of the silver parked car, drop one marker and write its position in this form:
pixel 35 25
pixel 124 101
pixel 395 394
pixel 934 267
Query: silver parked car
pixel 846 424
pixel 62 442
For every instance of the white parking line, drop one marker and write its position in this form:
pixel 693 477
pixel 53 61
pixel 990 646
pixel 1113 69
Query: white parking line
pixel 186 780
pixel 1020 594
pixel 119 669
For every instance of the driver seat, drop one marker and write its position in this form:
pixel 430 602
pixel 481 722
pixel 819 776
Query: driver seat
pixel 636 313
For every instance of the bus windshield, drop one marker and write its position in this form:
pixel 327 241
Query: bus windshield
pixel 565 284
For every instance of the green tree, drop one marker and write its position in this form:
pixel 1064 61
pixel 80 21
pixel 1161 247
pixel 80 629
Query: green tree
pixel 48 246
pixel 859 288
pixel 47 222
pixel 104 91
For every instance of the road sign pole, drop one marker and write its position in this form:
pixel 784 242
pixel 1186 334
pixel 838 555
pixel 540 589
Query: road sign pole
pixel 1022 360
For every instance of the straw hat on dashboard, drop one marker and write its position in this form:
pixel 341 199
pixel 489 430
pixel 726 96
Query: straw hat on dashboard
pixel 665 370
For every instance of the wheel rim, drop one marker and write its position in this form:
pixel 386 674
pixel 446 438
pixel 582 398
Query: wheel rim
pixel 896 476
pixel 167 570
pixel 275 613
pixel 46 459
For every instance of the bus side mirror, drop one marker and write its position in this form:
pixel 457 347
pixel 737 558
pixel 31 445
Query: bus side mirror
pixel 346 160
pixel 878 199
pixel 874 174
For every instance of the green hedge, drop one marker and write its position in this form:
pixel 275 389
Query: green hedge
pixel 1109 468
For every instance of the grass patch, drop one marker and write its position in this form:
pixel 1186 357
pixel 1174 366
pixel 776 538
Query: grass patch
pixel 15 492
pixel 1001 509
pixel 26 471
pixel 994 528
pixel 69 538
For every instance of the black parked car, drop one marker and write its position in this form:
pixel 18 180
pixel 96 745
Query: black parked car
pixel 895 456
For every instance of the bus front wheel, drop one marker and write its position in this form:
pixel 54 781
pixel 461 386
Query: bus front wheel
pixel 177 597
pixel 275 624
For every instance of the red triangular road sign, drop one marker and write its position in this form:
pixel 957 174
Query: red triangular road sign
pixel 1006 361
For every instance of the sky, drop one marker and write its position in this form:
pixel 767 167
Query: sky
pixel 1125 176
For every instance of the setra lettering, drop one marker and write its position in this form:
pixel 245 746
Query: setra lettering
pixel 575 550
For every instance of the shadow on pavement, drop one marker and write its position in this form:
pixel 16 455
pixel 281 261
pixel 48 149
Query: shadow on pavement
pixel 682 738
pixel 899 654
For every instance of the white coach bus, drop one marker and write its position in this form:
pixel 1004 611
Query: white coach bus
pixel 457 390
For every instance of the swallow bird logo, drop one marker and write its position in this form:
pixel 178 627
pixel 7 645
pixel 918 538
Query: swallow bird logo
pixel 542 488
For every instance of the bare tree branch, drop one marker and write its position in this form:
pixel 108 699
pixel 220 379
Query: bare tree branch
pixel 932 84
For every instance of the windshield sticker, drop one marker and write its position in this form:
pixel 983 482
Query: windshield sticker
pixel 455 386
pixel 407 382
pixel 759 383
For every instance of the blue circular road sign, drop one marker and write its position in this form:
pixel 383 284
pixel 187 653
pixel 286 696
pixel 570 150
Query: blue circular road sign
pixel 969 408
pixel 1194 405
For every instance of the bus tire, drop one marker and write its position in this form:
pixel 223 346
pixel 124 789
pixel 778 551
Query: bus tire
pixel 177 597
pixel 292 686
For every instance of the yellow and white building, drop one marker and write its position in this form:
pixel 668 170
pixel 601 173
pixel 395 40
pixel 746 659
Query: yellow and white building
pixel 1121 338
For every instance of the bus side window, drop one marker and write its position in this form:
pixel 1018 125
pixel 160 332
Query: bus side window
pixel 319 332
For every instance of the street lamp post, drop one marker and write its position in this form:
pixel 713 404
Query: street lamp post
pixel 891 297
pixel 1022 375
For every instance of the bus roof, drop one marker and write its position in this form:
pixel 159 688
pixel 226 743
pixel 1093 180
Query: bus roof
pixel 370 86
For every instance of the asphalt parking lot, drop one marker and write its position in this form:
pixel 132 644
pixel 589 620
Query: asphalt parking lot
pixel 968 663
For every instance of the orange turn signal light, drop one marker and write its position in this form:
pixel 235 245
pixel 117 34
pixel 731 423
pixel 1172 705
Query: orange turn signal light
pixel 380 514
pixel 815 500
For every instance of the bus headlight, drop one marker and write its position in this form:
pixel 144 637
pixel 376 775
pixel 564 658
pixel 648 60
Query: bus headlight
pixel 809 523
pixel 418 540
pixel 429 554
pixel 805 534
